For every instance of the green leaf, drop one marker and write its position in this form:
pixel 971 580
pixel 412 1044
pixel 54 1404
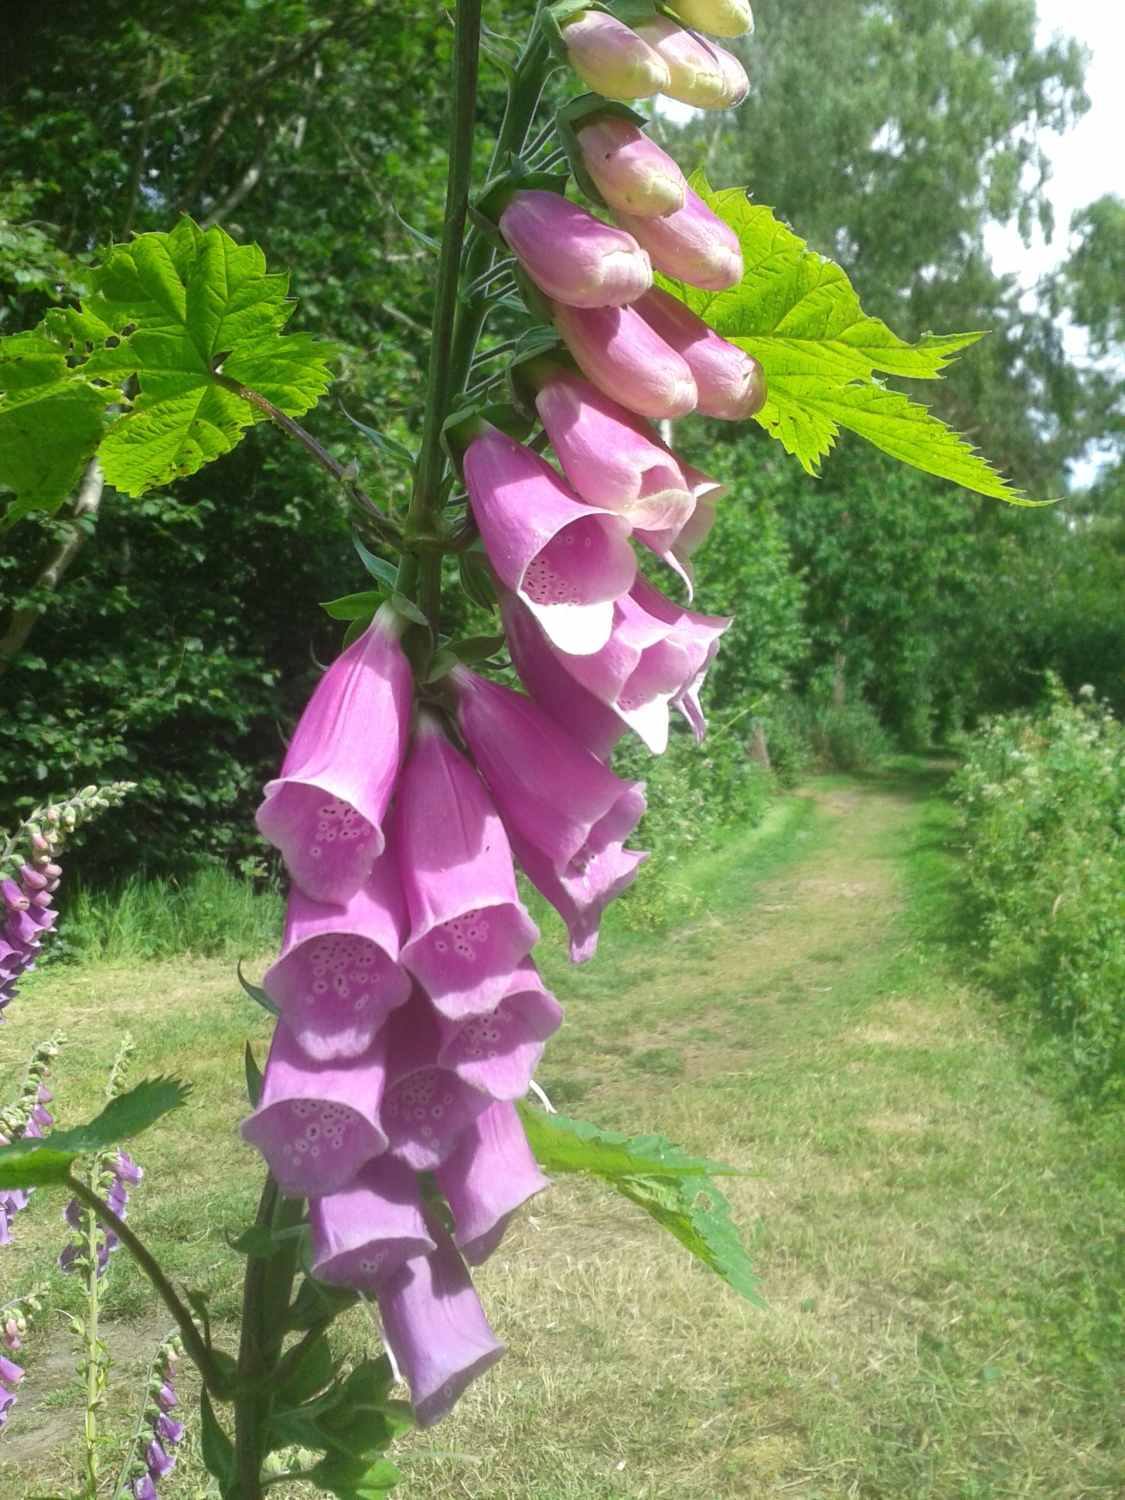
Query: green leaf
pixel 378 567
pixel 190 315
pixel 356 629
pixel 408 609
pixel 217 1448
pixel 674 1188
pixel 257 1240
pixel 355 606
pixel 50 423
pixel 31 1163
pixel 388 446
pixel 316 1301
pixel 799 316
pixel 256 992
pixel 311 1374
pixel 354 1479
pixel 476 647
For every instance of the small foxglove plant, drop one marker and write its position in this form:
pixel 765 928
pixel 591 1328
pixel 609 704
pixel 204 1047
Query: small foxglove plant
pixel 13 1326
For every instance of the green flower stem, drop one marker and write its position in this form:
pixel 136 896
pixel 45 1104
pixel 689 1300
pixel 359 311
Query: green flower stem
pixel 193 1340
pixel 424 515
pixel 93 1370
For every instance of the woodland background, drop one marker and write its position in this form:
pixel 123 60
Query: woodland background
pixel 187 631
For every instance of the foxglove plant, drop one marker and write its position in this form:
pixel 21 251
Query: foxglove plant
pixel 13 1326
pixel 410 1014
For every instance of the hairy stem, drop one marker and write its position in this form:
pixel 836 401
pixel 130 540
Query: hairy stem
pixel 423 518
pixel 193 1340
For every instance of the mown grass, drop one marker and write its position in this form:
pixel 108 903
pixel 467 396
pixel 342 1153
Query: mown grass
pixel 940 1242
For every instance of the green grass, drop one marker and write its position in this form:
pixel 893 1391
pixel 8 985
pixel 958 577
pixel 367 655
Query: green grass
pixel 940 1241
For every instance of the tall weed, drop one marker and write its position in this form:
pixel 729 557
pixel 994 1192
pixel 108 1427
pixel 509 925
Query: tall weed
pixel 1042 808
pixel 211 913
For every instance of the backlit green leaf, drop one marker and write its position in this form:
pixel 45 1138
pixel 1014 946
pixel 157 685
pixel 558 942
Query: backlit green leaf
pixel 354 1479
pixel 799 316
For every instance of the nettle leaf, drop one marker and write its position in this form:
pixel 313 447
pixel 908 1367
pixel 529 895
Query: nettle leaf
pixel 799 316
pixel 673 1187
pixel 35 1163
pixel 50 423
pixel 190 316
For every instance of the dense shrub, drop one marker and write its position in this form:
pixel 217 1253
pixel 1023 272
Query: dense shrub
pixel 1042 807
pixel 812 734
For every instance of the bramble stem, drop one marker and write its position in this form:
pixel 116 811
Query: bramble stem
pixel 424 516
pixel 193 1341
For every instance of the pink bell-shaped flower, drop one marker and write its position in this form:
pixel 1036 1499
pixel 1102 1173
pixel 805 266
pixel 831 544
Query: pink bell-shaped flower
pixel 370 1228
pixel 566 814
pixel 338 976
pixel 468 927
pixel 325 811
pixel 436 1328
pixel 611 59
pixel 566 560
pixel 487 1178
pixel 618 351
pixel 693 245
pixel 572 256
pixel 697 635
pixel 558 694
pixel 500 1050
pixel 630 171
pixel 730 382
pixel 611 457
pixel 426 1108
pixel 675 546
pixel 317 1123
pixel 700 73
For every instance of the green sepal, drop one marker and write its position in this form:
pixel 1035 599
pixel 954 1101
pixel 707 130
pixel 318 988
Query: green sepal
pixel 378 567
pixel 569 116
pixel 471 648
pixel 553 18
pixel 441 663
pixel 35 1163
pixel 256 993
pixel 316 1301
pixel 254 1076
pixel 355 606
pixel 408 609
pixel 354 1479
pixel 476 582
pixel 257 1241
pixel 355 630
pixel 216 1447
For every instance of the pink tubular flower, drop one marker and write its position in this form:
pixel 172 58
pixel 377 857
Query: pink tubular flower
pixel 693 245
pixel 560 696
pixel 338 976
pixel 716 17
pixel 730 382
pixel 700 73
pixel 487 1178
pixel 317 1123
pixel 617 350
pixel 499 1051
pixel 676 546
pixel 630 171
pixel 427 1107
pixel 611 457
pixel 325 811
pixel 572 256
pixel 468 927
pixel 566 560
pixel 611 59
pixel 697 635
pixel 370 1228
pixel 567 816
pixel 436 1328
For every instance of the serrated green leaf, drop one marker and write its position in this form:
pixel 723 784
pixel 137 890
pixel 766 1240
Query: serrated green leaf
pixel 45 445
pixel 354 1479
pixel 31 1162
pixel 355 606
pixel 799 316
pixel 187 314
pixel 672 1187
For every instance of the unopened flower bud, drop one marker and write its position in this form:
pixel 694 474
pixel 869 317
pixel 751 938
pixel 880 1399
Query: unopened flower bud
pixel 570 255
pixel 619 353
pixel 700 73
pixel 611 59
pixel 630 171
pixel 716 17
pixel 730 382
pixel 693 245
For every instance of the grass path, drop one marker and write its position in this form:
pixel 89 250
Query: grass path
pixel 939 1243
